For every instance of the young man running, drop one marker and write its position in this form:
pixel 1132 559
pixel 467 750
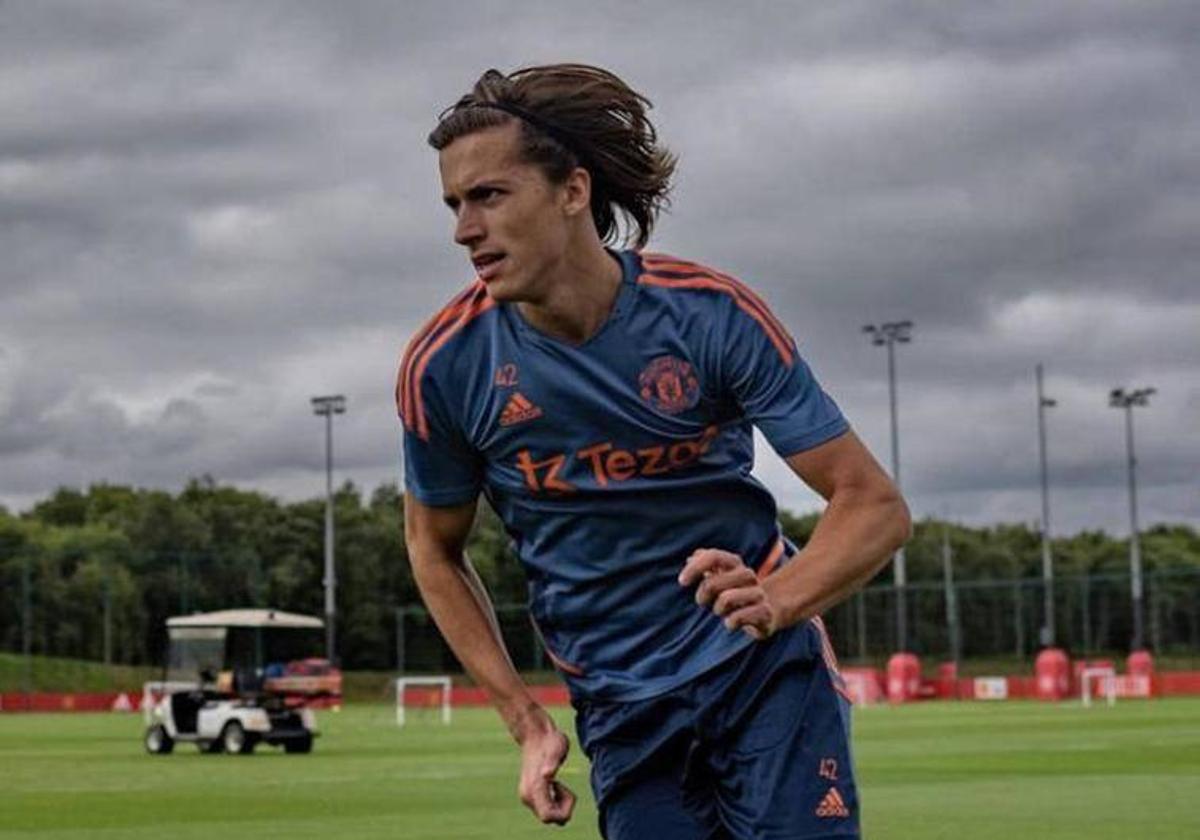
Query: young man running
pixel 603 401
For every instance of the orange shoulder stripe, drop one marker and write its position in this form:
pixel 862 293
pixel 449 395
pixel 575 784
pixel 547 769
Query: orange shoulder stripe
pixel 702 282
pixel 470 309
pixel 404 393
pixel 403 400
pixel 662 262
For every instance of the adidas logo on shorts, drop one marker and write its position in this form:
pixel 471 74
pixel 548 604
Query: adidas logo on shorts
pixel 833 805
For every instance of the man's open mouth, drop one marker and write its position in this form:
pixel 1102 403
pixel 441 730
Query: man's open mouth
pixel 482 261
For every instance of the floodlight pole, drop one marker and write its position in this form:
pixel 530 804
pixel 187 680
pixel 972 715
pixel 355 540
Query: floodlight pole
pixel 326 407
pixel 184 577
pixel 107 568
pixel 951 597
pixel 27 624
pixel 1045 402
pixel 887 335
pixel 1120 398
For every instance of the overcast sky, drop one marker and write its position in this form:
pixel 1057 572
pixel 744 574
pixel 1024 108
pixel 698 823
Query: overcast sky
pixel 210 212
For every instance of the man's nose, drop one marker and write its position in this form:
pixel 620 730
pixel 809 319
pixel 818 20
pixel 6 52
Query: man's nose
pixel 469 228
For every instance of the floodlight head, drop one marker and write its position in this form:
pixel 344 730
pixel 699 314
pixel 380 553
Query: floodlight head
pixel 878 335
pixel 1120 398
pixel 898 331
pixel 889 332
pixel 332 404
pixel 1142 396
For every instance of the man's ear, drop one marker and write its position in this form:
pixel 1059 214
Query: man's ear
pixel 577 191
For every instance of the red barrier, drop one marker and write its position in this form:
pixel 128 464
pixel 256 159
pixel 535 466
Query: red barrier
pixel 546 695
pixel 1176 683
pixel 1164 684
pixel 903 677
pixel 1022 688
pixel 946 687
pixel 1053 671
pixel 863 685
pixel 1140 669
pixel 60 702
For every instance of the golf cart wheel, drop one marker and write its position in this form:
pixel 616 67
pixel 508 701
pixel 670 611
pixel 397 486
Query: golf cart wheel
pixel 234 739
pixel 298 745
pixel 157 741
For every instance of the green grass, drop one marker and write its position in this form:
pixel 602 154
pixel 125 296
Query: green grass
pixel 1024 770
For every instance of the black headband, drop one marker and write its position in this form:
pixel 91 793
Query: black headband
pixel 547 128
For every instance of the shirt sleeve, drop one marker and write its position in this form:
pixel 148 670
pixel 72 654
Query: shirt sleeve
pixel 441 468
pixel 773 387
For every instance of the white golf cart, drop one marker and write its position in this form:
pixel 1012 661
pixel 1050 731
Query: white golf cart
pixel 237 678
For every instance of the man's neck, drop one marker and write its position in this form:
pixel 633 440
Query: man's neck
pixel 581 298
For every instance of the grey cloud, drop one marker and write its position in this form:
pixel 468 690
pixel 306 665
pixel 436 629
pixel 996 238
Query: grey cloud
pixel 210 212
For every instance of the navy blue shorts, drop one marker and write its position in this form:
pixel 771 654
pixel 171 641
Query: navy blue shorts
pixel 758 747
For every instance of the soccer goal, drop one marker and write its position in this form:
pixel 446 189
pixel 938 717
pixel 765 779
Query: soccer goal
pixel 1108 684
pixel 422 693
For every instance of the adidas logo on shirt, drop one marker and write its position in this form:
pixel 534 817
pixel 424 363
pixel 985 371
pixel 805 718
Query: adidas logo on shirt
pixel 518 410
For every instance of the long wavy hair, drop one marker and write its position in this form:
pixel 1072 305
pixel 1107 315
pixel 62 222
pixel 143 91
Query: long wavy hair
pixel 573 115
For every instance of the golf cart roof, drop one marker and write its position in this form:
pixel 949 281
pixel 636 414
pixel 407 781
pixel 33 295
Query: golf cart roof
pixel 245 618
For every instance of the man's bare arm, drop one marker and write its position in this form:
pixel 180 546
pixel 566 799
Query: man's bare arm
pixel 865 521
pixel 463 611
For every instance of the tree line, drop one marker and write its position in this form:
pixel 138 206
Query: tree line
pixel 143 555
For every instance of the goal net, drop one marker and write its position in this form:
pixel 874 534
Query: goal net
pixel 422 694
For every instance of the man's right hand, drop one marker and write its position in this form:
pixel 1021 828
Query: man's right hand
pixel 543 751
pixel 460 604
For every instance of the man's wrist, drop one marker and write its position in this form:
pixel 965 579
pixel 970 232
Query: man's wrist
pixel 526 719
pixel 785 607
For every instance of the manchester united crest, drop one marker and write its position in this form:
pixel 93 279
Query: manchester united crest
pixel 669 384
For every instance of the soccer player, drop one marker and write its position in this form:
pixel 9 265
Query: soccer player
pixel 603 400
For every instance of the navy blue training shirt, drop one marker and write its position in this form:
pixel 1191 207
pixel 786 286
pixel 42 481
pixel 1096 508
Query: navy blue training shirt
pixel 611 461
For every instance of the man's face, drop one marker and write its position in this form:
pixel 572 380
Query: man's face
pixel 508 215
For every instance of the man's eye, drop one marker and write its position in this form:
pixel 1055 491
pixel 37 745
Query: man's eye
pixel 485 194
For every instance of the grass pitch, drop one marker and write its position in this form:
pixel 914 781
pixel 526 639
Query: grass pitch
pixel 939 770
